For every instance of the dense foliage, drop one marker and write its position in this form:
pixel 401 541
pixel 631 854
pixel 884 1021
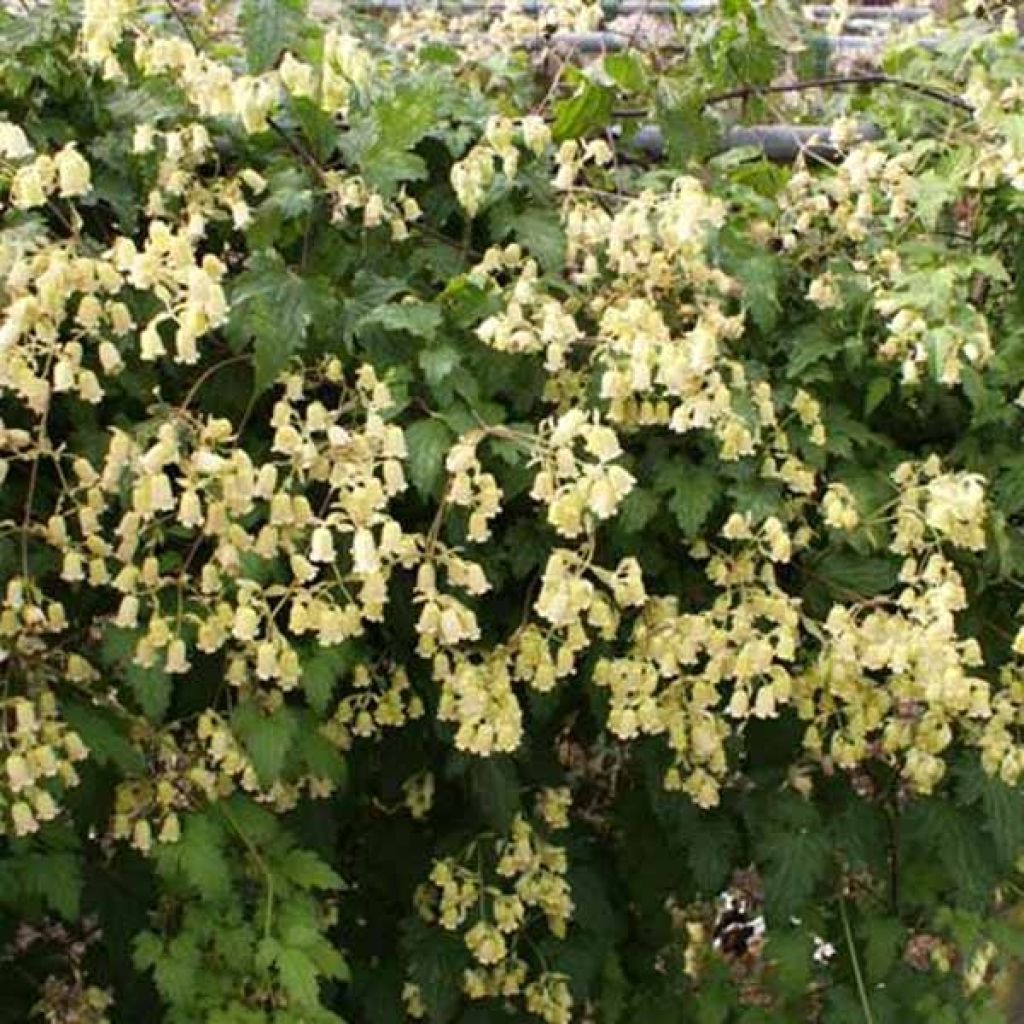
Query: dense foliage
pixel 455 568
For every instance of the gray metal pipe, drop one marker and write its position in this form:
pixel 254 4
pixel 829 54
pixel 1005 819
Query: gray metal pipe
pixel 780 143
pixel 616 7
pixel 611 42
pixel 610 7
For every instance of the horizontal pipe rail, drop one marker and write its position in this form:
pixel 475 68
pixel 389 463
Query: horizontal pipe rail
pixel 611 42
pixel 780 143
pixel 615 7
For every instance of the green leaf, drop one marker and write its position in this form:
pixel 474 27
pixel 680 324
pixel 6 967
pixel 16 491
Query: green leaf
pixel 436 960
pixel 695 494
pixel 176 970
pixel 849 575
pixel 933 190
pixel 797 857
pixel 494 788
pixel 711 850
pixel 807 345
pixel 272 308
pixel 407 116
pixel 689 133
pixel 639 507
pixel 396 125
pixel 268 28
pixel 1004 811
pixel 878 391
pixel 587 111
pixel 419 319
pixel 198 856
pixel 427 442
pixel 791 951
pixel 151 687
pixel 308 871
pixel 614 990
pixel 321 758
pixel 1002 805
pixel 53 878
pixel 883 940
pixel 321 671
pixel 101 732
pixel 438 363
pixel 627 70
pixel 757 270
pixel 298 976
pixel 267 739
pixel 537 229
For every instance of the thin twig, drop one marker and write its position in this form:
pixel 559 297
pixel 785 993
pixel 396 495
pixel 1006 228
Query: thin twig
pixel 862 992
pixel 297 148
pixel 207 374
pixel 831 82
pixel 261 863
pixel 841 82
pixel 183 23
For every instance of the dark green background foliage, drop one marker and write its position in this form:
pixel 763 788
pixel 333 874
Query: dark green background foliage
pixel 318 901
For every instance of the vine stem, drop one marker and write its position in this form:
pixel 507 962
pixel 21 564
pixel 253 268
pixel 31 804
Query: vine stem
pixel 267 874
pixel 862 992
pixel 743 92
pixel 207 374
pixel 843 81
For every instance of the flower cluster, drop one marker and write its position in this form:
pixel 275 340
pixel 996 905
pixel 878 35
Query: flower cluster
pixel 38 753
pixel 492 909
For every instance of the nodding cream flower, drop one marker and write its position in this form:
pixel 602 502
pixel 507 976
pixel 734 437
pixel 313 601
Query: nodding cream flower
pixel 73 176
pixel 14 144
pixel 322 547
pixel 296 76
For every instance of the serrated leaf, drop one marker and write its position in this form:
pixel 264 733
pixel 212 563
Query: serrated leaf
pixel 198 856
pixel 587 111
pixel 806 345
pixel 267 739
pixel 321 671
pixel 1004 811
pixel 321 758
pixel 637 510
pixel 711 850
pixel 1003 807
pixel 537 229
pixel 797 860
pixel 53 878
pixel 272 308
pixel 851 576
pixel 436 960
pixel 695 494
pixel 102 734
pixel 151 687
pixel 614 989
pixel 757 271
pixel 397 123
pixel 438 363
pixel 268 27
pixel 175 972
pixel 791 953
pixel 627 70
pixel 494 788
pixel 298 976
pixel 308 871
pixel 419 319
pixel 883 940
pixel 689 133
pixel 427 442
pixel 878 390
